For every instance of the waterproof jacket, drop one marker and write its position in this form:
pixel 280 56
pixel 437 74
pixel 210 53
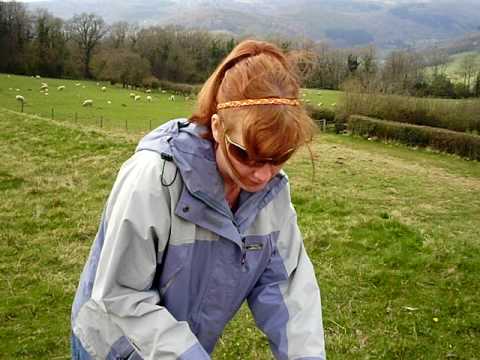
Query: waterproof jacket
pixel 171 263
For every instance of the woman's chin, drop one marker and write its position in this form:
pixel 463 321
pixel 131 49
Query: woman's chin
pixel 252 187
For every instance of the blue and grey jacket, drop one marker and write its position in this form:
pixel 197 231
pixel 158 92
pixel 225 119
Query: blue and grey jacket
pixel 171 264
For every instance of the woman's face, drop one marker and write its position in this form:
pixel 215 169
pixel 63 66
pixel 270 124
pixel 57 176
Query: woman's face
pixel 250 178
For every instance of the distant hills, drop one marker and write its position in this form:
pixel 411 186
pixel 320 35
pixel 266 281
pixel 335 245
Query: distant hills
pixel 389 24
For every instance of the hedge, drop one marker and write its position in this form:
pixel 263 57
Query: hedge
pixel 456 115
pixel 466 145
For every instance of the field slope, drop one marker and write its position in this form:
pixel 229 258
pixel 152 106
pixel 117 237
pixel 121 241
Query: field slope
pixel 393 233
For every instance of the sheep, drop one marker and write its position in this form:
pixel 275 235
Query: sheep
pixel 149 98
pixel 37 76
pixel 61 87
pixel 43 87
pixel 77 84
pixel 137 97
pixel 334 104
pixel 148 91
pixel 132 95
pixel 164 91
pixel 17 90
pixel 171 98
pixel 98 84
pixel 20 98
pixel 320 104
pixel 88 102
pixel 109 102
pixel 46 94
pixel 104 88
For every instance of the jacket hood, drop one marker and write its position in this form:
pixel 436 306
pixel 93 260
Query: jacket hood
pixel 194 156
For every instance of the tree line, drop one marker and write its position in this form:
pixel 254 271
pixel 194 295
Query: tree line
pixel 85 46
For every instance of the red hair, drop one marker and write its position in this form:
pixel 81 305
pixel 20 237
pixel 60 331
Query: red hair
pixel 256 70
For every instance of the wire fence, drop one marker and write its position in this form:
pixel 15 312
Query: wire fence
pixel 100 121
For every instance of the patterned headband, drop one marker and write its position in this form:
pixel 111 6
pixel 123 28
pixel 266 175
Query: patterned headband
pixel 249 102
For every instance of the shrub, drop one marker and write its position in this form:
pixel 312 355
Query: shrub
pixel 151 82
pixel 456 115
pixel 183 89
pixel 454 142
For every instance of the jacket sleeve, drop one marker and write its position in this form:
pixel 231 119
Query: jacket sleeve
pixel 285 301
pixel 123 301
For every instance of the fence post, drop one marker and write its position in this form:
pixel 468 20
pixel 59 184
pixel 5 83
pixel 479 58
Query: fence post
pixel 101 121
pixel 22 105
pixel 150 124
pixel 53 113
pixel 126 124
pixel 324 124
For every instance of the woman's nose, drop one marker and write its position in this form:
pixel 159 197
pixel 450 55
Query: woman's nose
pixel 263 173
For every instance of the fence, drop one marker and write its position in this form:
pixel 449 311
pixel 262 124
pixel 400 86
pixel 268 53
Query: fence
pixel 100 121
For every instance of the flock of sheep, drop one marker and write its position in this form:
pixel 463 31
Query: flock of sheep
pixel 89 102
pixel 134 96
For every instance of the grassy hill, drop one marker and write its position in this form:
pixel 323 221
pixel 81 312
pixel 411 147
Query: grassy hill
pixel 393 233
pixel 113 108
pixel 454 67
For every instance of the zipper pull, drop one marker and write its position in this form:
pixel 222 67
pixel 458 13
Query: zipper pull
pixel 244 253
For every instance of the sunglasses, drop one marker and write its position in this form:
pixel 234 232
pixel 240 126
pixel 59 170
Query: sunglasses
pixel 240 153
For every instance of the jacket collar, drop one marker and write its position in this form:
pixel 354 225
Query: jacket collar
pixel 203 194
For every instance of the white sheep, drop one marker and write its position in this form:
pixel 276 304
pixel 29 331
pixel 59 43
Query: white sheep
pixel 320 104
pixel 171 98
pixel 61 87
pixel 164 91
pixel 46 93
pixel 334 104
pixel 137 97
pixel 149 98
pixel 20 98
pixel 104 88
pixel 109 102
pixel 77 84
pixel 88 102
pixel 37 76
pixel 132 95
pixel 148 91
pixel 17 90
pixel 98 84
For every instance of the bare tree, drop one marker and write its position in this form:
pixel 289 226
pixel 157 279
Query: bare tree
pixel 86 30
pixel 468 67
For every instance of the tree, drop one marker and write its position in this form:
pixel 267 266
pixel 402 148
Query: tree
pixel 86 30
pixel 468 68
pixel 121 66
pixel 49 45
pixel 402 72
pixel 15 36
pixel 477 85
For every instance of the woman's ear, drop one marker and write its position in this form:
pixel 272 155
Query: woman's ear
pixel 216 127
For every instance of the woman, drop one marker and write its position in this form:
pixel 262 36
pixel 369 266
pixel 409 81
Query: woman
pixel 199 220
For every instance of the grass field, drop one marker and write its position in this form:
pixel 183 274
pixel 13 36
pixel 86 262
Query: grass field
pixel 393 233
pixel 122 111
pixel 454 66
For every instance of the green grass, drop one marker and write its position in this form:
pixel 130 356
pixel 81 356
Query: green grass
pixel 139 115
pixel 327 98
pixel 393 233
pixel 454 66
pixel 123 112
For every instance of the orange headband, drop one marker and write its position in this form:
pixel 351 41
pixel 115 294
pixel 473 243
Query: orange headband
pixel 249 102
